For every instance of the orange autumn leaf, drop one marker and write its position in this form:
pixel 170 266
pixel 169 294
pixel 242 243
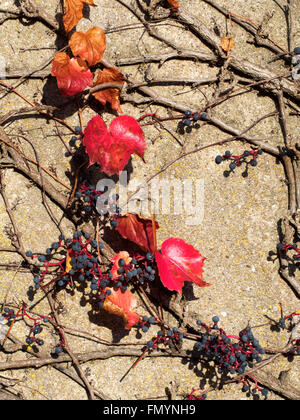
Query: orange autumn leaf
pixel 227 43
pixel 72 74
pixel 69 260
pixel 73 12
pixel 174 5
pixel 89 46
pixel 111 95
pixel 122 304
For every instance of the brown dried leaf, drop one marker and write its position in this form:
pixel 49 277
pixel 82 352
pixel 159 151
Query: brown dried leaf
pixel 227 43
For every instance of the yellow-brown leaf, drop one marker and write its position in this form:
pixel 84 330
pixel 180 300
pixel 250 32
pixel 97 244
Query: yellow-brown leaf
pixel 73 12
pixel 227 43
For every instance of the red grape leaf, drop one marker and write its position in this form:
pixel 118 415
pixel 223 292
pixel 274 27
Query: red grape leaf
pixel 89 46
pixel 178 262
pixel 72 74
pixel 112 147
pixel 174 5
pixel 110 95
pixel 122 304
pixel 73 12
pixel 138 230
pixel 125 256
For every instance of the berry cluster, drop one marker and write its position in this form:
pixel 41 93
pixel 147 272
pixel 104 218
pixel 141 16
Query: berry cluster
pixel 145 323
pixel 93 200
pixel 71 262
pixel 190 121
pixel 286 247
pixel 67 260
pixel 193 117
pixel 236 161
pixel 140 268
pixel 228 356
pixel 251 386
pixel 170 337
pixel 36 328
pixel 9 314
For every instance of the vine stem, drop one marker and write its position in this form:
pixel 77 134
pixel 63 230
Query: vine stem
pixel 154 231
pixel 11 325
pixel 34 162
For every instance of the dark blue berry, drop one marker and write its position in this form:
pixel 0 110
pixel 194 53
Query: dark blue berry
pixel 297 50
pixel 282 323
pixel 152 320
pixel 121 262
pixel 58 350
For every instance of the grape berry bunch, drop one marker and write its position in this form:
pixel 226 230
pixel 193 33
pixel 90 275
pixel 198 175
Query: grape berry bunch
pixel 236 161
pixel 38 322
pixel 90 200
pixel 190 121
pixel 191 117
pixel 68 259
pixel 231 354
pixel 286 247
